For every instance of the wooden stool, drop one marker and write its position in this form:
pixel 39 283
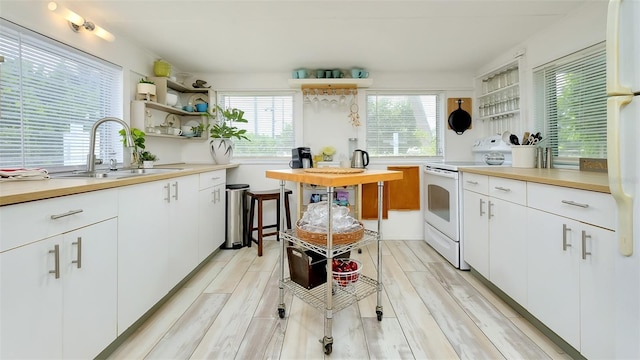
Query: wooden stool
pixel 260 197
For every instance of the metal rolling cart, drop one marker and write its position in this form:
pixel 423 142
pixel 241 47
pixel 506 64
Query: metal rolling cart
pixel 326 297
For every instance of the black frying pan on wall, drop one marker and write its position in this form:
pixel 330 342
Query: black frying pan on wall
pixel 459 120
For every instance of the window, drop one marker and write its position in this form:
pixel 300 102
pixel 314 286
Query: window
pixel 50 96
pixel 270 126
pixel 404 124
pixel 571 105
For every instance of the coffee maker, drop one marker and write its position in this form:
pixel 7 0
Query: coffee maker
pixel 301 158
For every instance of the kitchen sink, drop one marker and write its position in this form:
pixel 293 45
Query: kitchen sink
pixel 119 174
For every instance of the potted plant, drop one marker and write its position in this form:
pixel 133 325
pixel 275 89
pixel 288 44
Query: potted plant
pixel 223 131
pixel 138 144
pixel 146 87
pixel 199 129
pixel 147 159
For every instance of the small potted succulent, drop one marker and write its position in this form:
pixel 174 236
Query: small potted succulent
pixel 146 87
pixel 147 159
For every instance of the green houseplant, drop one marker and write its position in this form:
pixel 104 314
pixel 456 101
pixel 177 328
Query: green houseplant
pixel 138 144
pixel 222 132
pixel 147 159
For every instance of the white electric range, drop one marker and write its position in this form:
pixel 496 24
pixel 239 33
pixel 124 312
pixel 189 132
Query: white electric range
pixel 442 190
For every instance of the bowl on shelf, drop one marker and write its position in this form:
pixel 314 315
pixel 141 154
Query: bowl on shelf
pixel 172 99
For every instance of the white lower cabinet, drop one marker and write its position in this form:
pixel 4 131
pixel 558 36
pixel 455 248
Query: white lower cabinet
pixel 211 214
pixel 570 281
pixel 494 228
pixel 157 242
pixel 507 248
pixel 58 296
pixel 476 231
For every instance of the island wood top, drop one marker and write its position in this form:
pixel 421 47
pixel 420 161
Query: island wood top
pixel 365 177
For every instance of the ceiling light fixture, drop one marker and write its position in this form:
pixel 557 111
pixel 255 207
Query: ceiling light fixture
pixel 76 21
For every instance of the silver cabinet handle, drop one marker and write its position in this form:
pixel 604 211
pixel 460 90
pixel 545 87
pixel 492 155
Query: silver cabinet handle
pixel 175 186
pixel 472 182
pixel 215 178
pixel 584 245
pixel 489 209
pixel 502 188
pixel 564 237
pixel 78 260
pixel 481 203
pixel 569 202
pixel 216 197
pixel 68 213
pixel 168 188
pixel 56 254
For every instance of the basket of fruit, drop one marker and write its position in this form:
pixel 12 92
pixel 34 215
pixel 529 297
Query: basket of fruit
pixel 346 271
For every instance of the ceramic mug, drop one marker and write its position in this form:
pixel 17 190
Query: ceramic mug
pixel 302 73
pixel 188 108
pixel 186 129
pixel 202 107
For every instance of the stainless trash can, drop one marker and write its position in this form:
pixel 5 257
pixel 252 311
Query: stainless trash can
pixel 236 216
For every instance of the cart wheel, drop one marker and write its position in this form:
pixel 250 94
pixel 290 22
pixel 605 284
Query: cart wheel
pixel 281 313
pixel 379 313
pixel 328 348
pixel 359 251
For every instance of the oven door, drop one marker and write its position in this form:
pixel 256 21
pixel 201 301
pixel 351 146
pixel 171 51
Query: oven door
pixel 441 200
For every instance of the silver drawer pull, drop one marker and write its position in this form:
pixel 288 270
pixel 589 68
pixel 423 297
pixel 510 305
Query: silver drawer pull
pixel 502 188
pixel 78 243
pixel 68 213
pixel 489 209
pixel 175 187
pixel 569 202
pixel 481 203
pixel 565 228
pixel 56 254
pixel 168 188
pixel 472 182
pixel 584 245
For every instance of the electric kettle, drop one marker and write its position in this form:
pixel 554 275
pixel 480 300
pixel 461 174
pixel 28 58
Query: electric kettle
pixel 360 159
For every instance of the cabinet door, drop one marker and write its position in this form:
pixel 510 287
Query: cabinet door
pixel 183 229
pixel 31 302
pixel 553 273
pixel 507 248
pixel 90 289
pixel 143 229
pixel 597 326
pixel 476 232
pixel 211 220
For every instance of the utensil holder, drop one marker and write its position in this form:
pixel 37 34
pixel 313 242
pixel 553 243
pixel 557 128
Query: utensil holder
pixel 523 156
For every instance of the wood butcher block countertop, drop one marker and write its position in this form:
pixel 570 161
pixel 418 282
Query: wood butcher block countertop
pixel 328 179
pixel 584 180
pixel 14 192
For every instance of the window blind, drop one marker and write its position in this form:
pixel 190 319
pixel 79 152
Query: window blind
pixel 403 125
pixel 50 96
pixel 270 124
pixel 571 105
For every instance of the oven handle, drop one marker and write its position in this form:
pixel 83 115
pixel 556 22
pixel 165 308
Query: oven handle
pixel 440 172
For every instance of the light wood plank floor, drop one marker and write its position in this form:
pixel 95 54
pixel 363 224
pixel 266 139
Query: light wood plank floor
pixel 431 310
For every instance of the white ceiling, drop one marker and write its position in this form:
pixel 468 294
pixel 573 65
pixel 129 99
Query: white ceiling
pixel 276 36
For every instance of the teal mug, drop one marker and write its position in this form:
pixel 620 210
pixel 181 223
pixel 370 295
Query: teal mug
pixel 355 73
pixel 336 74
pixel 202 107
pixel 302 73
pixel 320 74
pixel 187 108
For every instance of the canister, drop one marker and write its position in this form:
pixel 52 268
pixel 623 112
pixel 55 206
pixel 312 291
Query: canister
pixel 549 161
pixel 540 158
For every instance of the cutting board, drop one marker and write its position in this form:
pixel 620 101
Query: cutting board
pixel 452 104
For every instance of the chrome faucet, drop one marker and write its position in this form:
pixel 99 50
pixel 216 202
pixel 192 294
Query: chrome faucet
pixel 91 158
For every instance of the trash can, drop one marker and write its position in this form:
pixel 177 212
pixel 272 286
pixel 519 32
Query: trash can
pixel 235 216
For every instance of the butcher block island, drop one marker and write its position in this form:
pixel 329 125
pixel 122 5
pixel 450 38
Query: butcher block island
pixel 325 297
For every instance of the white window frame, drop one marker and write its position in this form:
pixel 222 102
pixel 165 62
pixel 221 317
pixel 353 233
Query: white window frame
pixel 594 129
pixel 252 150
pixel 47 117
pixel 439 122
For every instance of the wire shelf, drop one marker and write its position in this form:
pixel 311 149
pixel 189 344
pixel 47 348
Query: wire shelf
pixel 368 237
pixel 343 297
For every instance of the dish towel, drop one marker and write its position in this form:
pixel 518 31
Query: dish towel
pixel 23 174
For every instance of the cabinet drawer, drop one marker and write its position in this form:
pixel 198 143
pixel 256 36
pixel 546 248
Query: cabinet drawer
pixel 24 223
pixel 475 182
pixel 212 178
pixel 514 191
pixel 587 206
